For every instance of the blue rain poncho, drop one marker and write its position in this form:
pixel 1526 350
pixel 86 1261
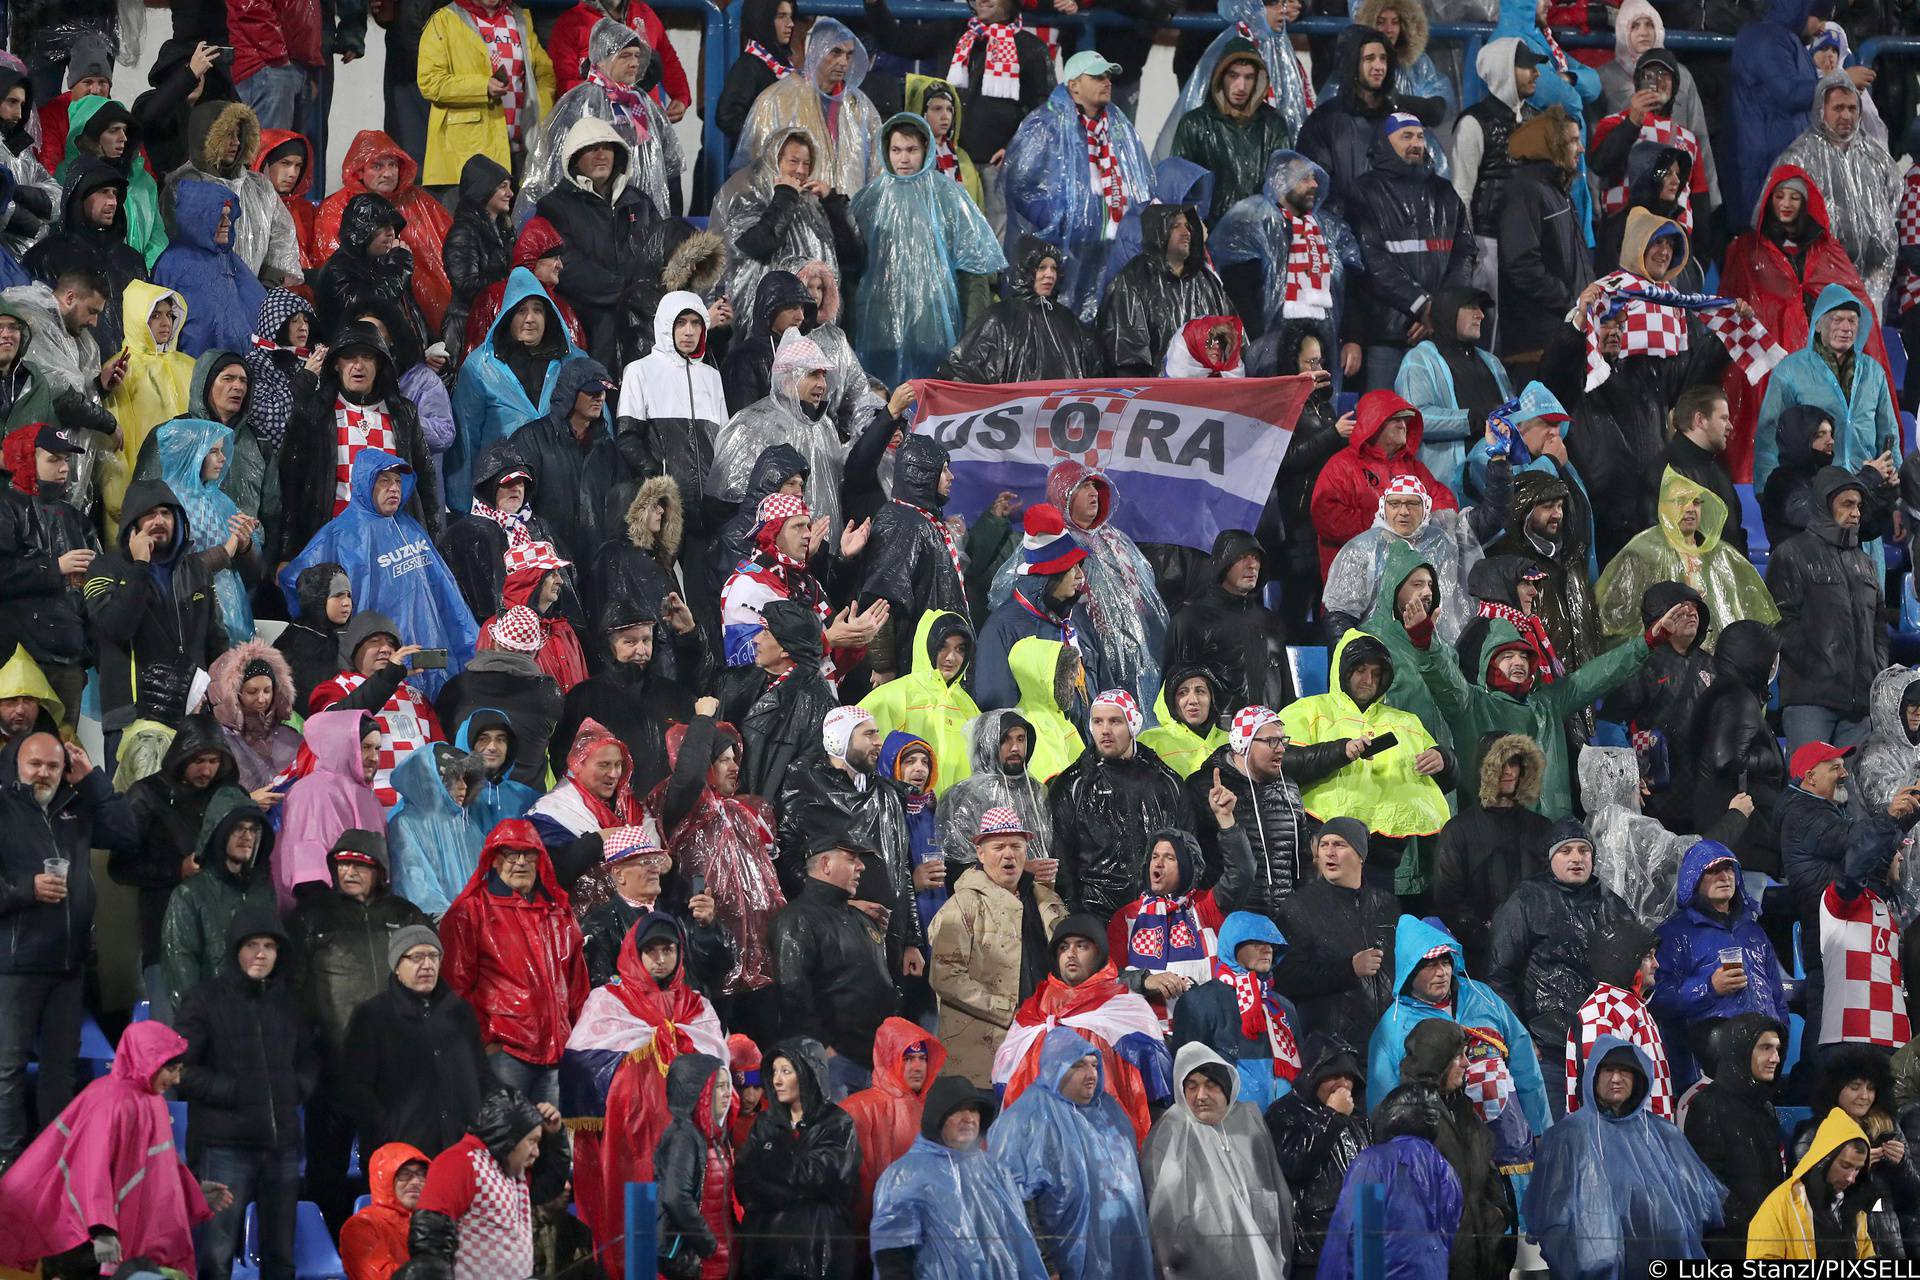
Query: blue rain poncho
pixel 183 445
pixel 1080 1164
pixel 500 798
pixel 1255 230
pixel 1865 422
pixel 394 570
pixel 1610 1193
pixel 958 1210
pixel 1421 1215
pixel 223 295
pixel 1051 193
pixel 434 843
pixel 489 403
pixel 1245 19
pixel 919 231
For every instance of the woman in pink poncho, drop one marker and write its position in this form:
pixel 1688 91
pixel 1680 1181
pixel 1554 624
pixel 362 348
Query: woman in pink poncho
pixel 104 1179
pixel 333 793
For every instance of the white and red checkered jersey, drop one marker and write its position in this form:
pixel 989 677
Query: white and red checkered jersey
pixel 1613 1011
pixel 507 52
pixel 357 427
pixel 1909 221
pixel 407 722
pixel 1865 995
pixel 1658 129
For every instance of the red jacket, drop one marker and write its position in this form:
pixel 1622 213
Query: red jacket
pixel 427 221
pixel 535 241
pixel 568 46
pixel 53 130
pixel 299 208
pixel 373 1243
pixel 1758 270
pixel 272 33
pixel 521 964
pixel 1346 497
pixel 887 1114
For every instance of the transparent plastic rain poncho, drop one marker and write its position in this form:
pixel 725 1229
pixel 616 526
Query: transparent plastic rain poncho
pixel 1079 1167
pixel 65 362
pixel 1634 855
pixel 1050 193
pixel 958 1210
pixel 183 446
pixel 1890 759
pixel 847 125
pixel 919 231
pixel 1216 1199
pixel 1255 230
pixel 654 159
pixel 851 403
pixel 1862 188
pixel 1129 619
pixel 1725 579
pixel 778 419
pixel 991 787
pixel 1443 540
pixel 1245 19
pixel 740 206
pixel 434 841
pixel 25 165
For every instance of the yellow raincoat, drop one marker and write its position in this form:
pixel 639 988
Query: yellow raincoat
pixel 1725 579
pixel 1057 744
pixel 917 87
pixel 925 705
pixel 156 388
pixel 21 677
pixel 1180 748
pixel 462 120
pixel 1783 1227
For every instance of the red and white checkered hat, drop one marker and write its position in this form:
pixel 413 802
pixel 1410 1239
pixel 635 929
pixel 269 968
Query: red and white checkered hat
pixel 1000 821
pixel 1248 721
pixel 1407 486
pixel 535 555
pixel 519 629
pixel 1128 707
pixel 798 354
pixel 780 508
pixel 623 843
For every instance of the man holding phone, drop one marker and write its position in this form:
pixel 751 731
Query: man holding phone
pixel 377 684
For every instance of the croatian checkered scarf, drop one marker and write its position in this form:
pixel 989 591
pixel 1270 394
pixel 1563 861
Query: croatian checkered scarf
pixel 946 535
pixel 1909 219
pixel 757 50
pixel 1100 158
pixel 624 100
pixel 1261 1017
pixel 1309 284
pixel 501 33
pixel 1667 133
pixel 1002 74
pixel 1655 324
pixel 1533 631
pixel 514 525
pixel 1164 931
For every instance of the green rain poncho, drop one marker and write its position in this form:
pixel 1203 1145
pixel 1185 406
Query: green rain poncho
pixel 1408 691
pixel 145 230
pixel 1729 584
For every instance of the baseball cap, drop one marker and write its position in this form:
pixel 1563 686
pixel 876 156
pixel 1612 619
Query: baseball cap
pixel 1524 56
pixel 1813 754
pixel 1088 62
pixel 54 440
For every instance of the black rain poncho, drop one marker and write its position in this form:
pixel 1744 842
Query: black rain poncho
pixel 911 558
pixel 1147 304
pixel 1025 338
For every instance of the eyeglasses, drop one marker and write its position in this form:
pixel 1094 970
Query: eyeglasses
pixel 514 856
pixel 1312 362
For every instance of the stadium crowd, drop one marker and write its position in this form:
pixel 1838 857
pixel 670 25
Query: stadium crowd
pixel 555 730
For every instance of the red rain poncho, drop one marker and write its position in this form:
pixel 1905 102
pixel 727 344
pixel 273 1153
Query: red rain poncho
pixel 298 206
pixel 427 221
pixel 373 1243
pixel 1103 1012
pixel 560 656
pixel 887 1115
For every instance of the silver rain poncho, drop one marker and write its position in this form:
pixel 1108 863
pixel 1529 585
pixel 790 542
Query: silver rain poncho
pixel 846 125
pixel 1862 187
pixel 779 419
pixel 1890 759
pixel 920 231
pixel 1246 19
pixel 1123 603
pixel 805 236
pixel 1217 1205
pixel 1255 230
pixel 991 787
pixel 1444 540
pixel 1634 855
pixel 654 159
pixel 67 362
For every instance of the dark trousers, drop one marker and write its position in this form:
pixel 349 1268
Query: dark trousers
pixel 270 1179
pixel 329 1151
pixel 43 1011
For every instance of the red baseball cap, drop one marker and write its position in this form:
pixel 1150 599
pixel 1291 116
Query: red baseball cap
pixel 1812 754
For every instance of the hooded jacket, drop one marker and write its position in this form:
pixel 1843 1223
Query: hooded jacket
pixel 1731 746
pixel 638 704
pixel 990 785
pixel 1454 383
pixel 1890 758
pixel 1234 145
pixel 693 1166
pixel 923 702
pixel 1662 695
pixel 425 226
pixel 1346 497
pixel 575 472
pixel 265 239
pixel 1183 747
pixel 373 1243
pixel 169 812
pixel 223 295
pixel 1786 500
pixel 1210 1015
pixel 1338 136
pixel 1832 633
pixel 193 934
pixel 1645 167
pixel 1483 163
pixel 1236 637
pixel 1487 849
pixel 457 1211
pixel 299 207
pixel 670 409
pixel 341 944
pixel 911 562
pixel 779 719
pixel 157 382
pixel 475 546
pixel 798 1182
pixel 478 249
pixel 311 643
pixel 887 1114
pixel 1733 1128
pixel 1691 941
pixel 1315 1144
pixel 1415 238
pixel 334 797
pixel 1801 1215
pixel 1863 415
pixel 354 280
pixel 434 840
pixel 79 244
pixel 1148 303
pixel 1024 337
pixel 749 77
pixel 504 384
pixel 1854 175
pixel 609 241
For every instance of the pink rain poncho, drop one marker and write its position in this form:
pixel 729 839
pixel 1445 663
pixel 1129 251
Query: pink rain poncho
pixel 332 796
pixel 107 1162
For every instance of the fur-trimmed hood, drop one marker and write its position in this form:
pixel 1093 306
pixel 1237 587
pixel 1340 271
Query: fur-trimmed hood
pixel 667 546
pixel 211 126
pixel 228 673
pixel 829 308
pixel 1413 26
pixel 696 265
pixel 1533 766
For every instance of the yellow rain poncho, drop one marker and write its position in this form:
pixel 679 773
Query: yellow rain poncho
pixel 1036 667
pixel 21 677
pixel 1179 747
pixel 155 389
pixel 924 704
pixel 1724 578
pixel 1783 1228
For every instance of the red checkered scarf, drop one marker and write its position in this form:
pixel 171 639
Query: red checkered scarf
pixel 1002 72
pixel 940 527
pixel 1533 631
pixel 500 31
pixel 1655 324
pixel 625 101
pixel 406 724
pixel 1309 282
pixel 1261 1017
pixel 1306 84
pixel 780 69
pixel 1615 1011
pixel 356 427
pixel 515 525
pixel 946 161
pixel 1099 134
pixel 1909 218
pixel 1664 131
pixel 1554 51
pixel 1489 1082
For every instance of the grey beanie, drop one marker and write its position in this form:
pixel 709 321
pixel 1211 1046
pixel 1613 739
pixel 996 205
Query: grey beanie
pixel 405 940
pixel 89 55
pixel 1352 830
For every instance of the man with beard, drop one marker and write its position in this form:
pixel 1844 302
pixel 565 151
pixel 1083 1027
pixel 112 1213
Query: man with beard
pixel 92 236
pixel 1273 286
pixel 68 327
pixel 1854 172
pixel 629 695
pixel 1550 529
pixel 1001 743
pixel 1105 806
pixel 1453 380
pixel 793 412
pixel 1341 130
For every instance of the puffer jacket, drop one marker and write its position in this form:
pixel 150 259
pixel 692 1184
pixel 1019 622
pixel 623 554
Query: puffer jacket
pixel 1241 641
pixel 909 561
pixel 984 964
pixel 1414 240
pixel 1733 1128
pixel 249 1063
pixel 693 1167
pixel 478 250
pixel 830 964
pixel 1486 850
pixel 1103 812
pixel 1733 749
pixel 1146 304
pixel 1691 941
pixel 671 408
pixel 575 478
pixel 1315 1144
pixel 342 948
pixel 1833 635
pixel 1274 820
pixel 193 934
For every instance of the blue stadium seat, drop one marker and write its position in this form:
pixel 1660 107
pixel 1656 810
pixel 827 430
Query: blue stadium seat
pixel 362 1203
pixel 95 1052
pixel 143 1012
pixel 314 1257
pixel 1791 1118
pixel 1757 548
pixel 1309 664
pixel 177 1111
pixel 1896 354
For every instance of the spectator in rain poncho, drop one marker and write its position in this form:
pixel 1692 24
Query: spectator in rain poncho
pixel 849 391
pixel 1129 620
pixel 1830 53
pixel 825 100
pixel 1842 378
pixel 1856 174
pixel 223 296
pixel 376 164
pixel 158 379
pixel 1890 758
pixel 1070 1150
pixel 433 838
pixel 1445 540
pixel 223 140
pixel 1000 745
pixel 1246 21
pixel 1233 130
pixel 776 215
pixel 193 456
pixel 617 59
pixel 393 566
pixel 1031 334
pixel 1614 1186
pixel 1422 1200
pixel 38 194
pixel 1051 188
pixel 930 700
pixel 921 233
pixel 1216 1202
pixel 1522 18
pixel 1684 547
pixel 1635 856
pixel 254 716
pixel 794 413
pixel 372 265
pixel 1256 236
pixel 507 379
pixel 1160 291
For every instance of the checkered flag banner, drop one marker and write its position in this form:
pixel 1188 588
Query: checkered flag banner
pixel 1655 323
